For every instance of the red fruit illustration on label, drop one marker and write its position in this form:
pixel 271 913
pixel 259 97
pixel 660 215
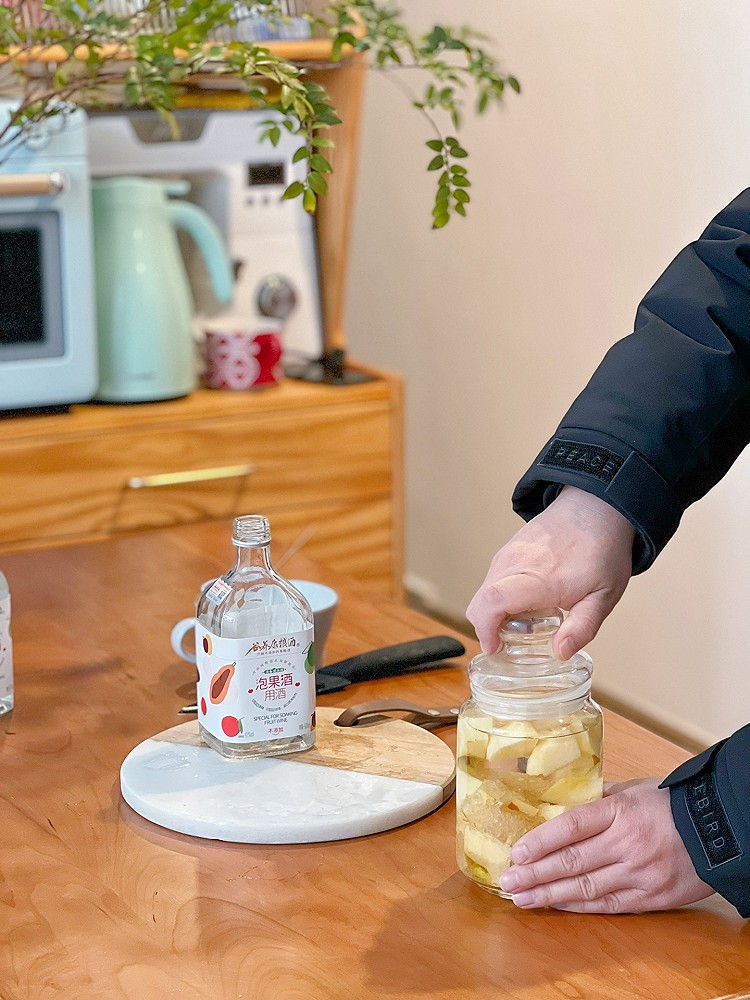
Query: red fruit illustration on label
pixel 219 686
pixel 203 706
pixel 231 726
pixel 208 646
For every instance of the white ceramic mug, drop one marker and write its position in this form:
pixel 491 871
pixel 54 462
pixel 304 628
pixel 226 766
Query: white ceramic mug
pixel 322 599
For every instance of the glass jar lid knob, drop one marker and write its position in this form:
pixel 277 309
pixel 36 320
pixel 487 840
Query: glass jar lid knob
pixel 531 626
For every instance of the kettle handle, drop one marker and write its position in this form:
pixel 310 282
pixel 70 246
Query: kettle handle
pixel 208 239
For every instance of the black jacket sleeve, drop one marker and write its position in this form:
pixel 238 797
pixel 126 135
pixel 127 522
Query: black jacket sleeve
pixel 668 410
pixel 709 796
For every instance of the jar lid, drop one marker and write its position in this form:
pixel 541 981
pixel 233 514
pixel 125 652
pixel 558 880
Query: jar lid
pixel 523 679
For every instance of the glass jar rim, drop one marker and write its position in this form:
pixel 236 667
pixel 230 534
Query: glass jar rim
pixel 528 705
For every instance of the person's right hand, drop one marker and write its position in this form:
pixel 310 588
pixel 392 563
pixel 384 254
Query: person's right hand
pixel 575 555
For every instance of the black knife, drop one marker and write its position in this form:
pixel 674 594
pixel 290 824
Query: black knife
pixel 389 661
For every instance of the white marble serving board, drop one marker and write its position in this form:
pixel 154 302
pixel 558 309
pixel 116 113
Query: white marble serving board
pixel 354 782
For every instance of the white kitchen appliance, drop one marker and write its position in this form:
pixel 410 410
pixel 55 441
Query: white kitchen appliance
pixel 47 324
pixel 239 180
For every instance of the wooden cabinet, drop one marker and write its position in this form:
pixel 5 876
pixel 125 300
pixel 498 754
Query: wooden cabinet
pixel 323 462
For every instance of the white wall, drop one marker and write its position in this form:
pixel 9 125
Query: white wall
pixel 632 131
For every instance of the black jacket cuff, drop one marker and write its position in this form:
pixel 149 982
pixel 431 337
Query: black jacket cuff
pixel 610 470
pixel 710 798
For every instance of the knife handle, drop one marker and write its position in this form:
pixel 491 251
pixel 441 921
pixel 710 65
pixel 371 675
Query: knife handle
pixel 391 660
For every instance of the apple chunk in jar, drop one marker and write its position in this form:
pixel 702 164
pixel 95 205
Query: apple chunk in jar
pixel 529 745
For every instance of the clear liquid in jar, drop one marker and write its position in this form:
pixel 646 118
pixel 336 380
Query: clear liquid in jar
pixel 511 776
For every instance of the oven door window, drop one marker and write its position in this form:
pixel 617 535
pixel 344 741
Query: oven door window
pixel 31 303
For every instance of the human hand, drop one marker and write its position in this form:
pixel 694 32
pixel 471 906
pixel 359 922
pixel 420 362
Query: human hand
pixel 576 555
pixel 621 854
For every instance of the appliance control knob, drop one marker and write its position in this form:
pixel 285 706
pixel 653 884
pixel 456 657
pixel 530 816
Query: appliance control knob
pixel 38 136
pixel 277 297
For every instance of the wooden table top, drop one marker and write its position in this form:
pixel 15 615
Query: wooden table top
pixel 96 902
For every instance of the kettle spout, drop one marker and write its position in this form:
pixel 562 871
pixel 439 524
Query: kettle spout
pixel 208 239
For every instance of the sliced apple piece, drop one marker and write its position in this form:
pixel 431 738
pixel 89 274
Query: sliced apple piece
pixel 509 747
pixel 493 855
pixel 574 791
pixel 551 754
pixel 548 811
pixel 516 728
pixel 523 806
pixel 465 784
pixel 472 741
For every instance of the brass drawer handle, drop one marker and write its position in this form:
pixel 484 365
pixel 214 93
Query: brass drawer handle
pixel 190 476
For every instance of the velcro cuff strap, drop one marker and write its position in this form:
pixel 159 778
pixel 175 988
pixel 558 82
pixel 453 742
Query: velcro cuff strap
pixel 607 469
pixel 709 807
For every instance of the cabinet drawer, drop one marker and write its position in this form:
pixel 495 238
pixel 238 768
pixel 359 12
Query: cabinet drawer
pixel 172 473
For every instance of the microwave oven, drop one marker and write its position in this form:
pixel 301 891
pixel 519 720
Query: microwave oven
pixel 47 313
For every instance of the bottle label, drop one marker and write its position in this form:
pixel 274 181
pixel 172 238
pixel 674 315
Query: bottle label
pixel 253 690
pixel 6 650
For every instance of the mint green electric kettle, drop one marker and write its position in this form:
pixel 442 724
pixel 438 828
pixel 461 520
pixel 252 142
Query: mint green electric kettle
pixel 144 307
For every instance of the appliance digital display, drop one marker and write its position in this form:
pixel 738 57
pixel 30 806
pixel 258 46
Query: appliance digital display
pixel 31 303
pixel 263 174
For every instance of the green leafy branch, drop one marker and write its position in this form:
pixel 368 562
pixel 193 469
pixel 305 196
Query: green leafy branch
pixel 454 58
pixel 145 59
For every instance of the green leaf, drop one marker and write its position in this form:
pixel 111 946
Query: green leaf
pixel 321 164
pixel 461 196
pixel 440 220
pixel 302 154
pixel 318 183
pixel 436 163
pixel 459 152
pixel 461 209
pixel 295 189
pixel 462 182
pixel 435 144
pixel 309 201
pixel 437 37
pixel 514 84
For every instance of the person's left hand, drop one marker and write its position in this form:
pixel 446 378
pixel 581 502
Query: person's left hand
pixel 621 854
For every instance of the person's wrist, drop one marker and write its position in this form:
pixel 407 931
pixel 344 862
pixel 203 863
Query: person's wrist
pixel 594 512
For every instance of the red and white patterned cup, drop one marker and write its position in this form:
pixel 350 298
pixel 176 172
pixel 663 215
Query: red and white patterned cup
pixel 242 359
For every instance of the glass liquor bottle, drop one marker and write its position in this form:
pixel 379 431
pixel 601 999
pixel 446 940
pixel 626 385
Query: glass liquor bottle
pixel 255 655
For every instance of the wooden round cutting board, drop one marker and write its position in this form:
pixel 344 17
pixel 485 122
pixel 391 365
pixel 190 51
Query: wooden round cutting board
pixel 355 781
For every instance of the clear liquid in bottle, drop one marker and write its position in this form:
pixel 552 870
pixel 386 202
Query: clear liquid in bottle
pixel 255 655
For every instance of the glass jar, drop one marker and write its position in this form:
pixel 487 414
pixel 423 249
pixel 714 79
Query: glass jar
pixel 255 654
pixel 529 744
